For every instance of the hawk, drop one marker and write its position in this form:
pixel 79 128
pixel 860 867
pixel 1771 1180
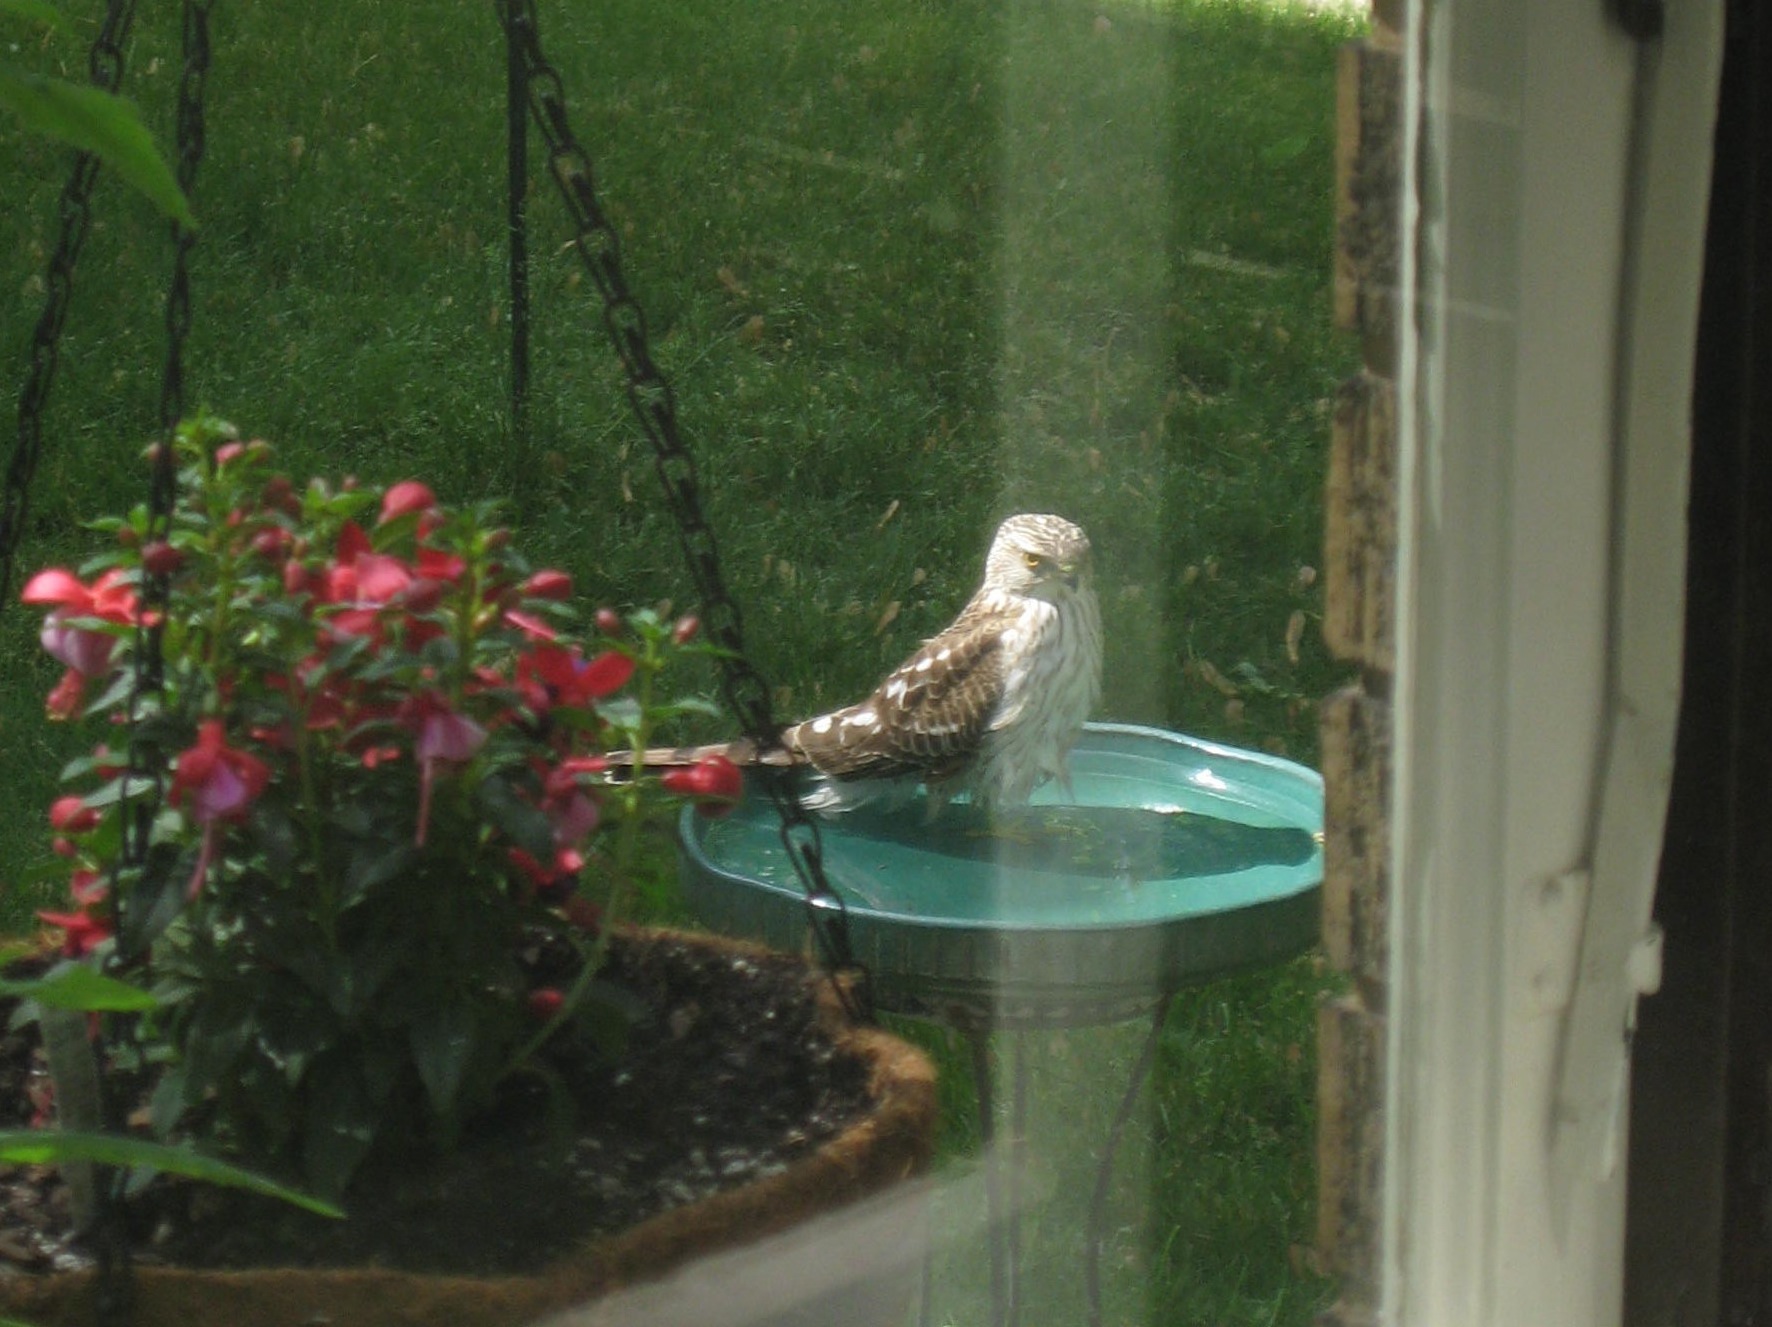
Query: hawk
pixel 989 707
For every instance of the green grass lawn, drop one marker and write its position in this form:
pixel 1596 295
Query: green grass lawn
pixel 910 265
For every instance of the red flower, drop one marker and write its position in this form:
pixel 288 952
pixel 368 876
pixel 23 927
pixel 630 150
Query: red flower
pixel 405 498
pixel 88 888
pixel 529 624
pixel 544 1002
pixel 81 932
pixel 568 808
pixel 434 564
pixel 442 735
pixel 714 783
pixel 64 698
pixel 161 558
pixel 548 584
pixel 87 653
pixel 71 815
pixel 552 675
pixel 221 782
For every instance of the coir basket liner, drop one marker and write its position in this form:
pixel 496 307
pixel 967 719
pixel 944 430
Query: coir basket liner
pixel 890 1142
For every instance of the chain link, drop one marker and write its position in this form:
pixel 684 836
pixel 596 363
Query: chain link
pixel 105 65
pixel 146 765
pixel 654 405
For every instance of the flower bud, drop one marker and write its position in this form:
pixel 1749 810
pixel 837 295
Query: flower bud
pixel 544 1002
pixel 160 558
pixel 685 630
pixel 609 622
pixel 227 452
pixel 71 815
pixel 714 783
pixel 422 595
pixel 548 584
pixel 404 498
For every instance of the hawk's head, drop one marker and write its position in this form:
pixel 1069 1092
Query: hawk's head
pixel 1044 557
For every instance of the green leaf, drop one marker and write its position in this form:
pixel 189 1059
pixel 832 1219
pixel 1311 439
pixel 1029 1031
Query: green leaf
pixel 622 712
pixel 341 1126
pixel 442 1044
pixel 214 1043
pixel 37 11
pixel 688 706
pixel 76 986
pixel 113 792
pixel 157 897
pixel 374 863
pixel 609 1014
pixel 526 824
pixel 51 1147
pixel 101 123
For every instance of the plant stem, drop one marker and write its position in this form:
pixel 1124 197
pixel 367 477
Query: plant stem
pixel 631 796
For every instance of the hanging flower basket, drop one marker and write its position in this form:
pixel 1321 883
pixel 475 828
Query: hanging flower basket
pixel 352 837
pixel 887 1141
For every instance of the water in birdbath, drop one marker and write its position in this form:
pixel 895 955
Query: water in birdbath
pixel 1154 827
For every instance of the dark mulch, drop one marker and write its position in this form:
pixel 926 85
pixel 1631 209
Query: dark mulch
pixel 727 1078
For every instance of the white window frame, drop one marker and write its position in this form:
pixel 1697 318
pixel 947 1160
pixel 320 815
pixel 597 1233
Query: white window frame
pixel 1557 173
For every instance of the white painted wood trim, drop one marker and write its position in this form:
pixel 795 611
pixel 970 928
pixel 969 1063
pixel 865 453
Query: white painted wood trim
pixel 1543 414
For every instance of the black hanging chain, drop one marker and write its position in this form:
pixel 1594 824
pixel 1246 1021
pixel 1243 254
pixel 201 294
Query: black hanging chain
pixel 189 146
pixel 745 691
pixel 147 764
pixel 105 67
pixel 144 783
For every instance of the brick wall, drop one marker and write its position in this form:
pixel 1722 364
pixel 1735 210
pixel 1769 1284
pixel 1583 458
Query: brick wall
pixel 1359 560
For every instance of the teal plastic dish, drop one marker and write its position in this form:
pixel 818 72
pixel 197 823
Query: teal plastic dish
pixel 1171 861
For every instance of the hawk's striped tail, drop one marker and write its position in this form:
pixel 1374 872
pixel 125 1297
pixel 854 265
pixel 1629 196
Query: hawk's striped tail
pixel 743 752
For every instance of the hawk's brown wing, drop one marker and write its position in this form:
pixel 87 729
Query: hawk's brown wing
pixel 926 719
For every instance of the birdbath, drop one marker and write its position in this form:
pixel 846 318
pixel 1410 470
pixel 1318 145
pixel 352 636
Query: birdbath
pixel 1171 861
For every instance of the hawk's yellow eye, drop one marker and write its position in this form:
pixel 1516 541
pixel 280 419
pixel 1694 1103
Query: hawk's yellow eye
pixel 1033 561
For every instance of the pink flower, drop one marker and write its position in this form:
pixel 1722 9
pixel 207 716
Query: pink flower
pixel 65 697
pixel 87 653
pixel 88 888
pixel 71 815
pixel 714 783
pixel 380 579
pixel 81 932
pixel 161 558
pixel 571 811
pixel 221 783
pixel 547 584
pixel 405 498
pixel 442 735
pixel 529 624
pixel 552 675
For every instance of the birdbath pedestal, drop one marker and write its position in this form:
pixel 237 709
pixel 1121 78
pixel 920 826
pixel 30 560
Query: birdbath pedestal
pixel 1171 861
